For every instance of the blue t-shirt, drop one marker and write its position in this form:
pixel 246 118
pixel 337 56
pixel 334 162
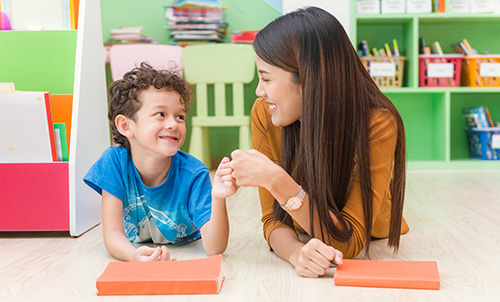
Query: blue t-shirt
pixel 172 212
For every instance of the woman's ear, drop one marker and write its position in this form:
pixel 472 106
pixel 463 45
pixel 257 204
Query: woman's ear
pixel 123 124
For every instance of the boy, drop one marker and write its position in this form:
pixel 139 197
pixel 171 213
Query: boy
pixel 152 191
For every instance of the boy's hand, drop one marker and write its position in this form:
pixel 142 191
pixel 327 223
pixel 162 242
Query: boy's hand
pixel 224 183
pixel 146 253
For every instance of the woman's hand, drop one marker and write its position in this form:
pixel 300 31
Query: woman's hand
pixel 224 183
pixel 313 258
pixel 253 169
pixel 146 253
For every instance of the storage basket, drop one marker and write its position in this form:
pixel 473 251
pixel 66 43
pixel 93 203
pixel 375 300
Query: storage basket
pixel 439 70
pixel 392 78
pixel 481 71
pixel 480 145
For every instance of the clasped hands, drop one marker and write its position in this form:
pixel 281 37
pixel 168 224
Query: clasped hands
pixel 250 168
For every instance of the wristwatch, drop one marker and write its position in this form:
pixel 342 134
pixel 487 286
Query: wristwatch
pixel 295 202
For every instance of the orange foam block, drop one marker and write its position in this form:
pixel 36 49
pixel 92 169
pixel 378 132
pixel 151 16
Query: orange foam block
pixel 198 276
pixel 393 274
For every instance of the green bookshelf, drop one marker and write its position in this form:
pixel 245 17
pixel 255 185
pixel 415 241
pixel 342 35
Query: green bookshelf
pixel 435 130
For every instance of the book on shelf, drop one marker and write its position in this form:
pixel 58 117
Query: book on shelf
pixel 41 15
pixel 395 47
pixel 386 51
pixel 488 116
pixel 201 37
pixel 192 26
pixel 74 6
pixel 207 3
pixel 463 47
pixel 468 47
pixel 477 117
pixel 244 36
pixel 439 6
pixel 61 142
pixel 427 50
pixel 27 128
pixel 421 45
pixel 363 47
pixel 62 109
pixel 186 43
pixel 436 48
pixel 198 276
pixel 389 274
pixel 189 13
pixel 128 35
pixel 466 50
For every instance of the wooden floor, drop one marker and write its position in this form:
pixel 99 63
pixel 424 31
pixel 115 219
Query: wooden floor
pixel 454 219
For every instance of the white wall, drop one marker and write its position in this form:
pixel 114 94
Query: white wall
pixel 341 9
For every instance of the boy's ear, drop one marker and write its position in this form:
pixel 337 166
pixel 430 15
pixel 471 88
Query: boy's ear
pixel 123 125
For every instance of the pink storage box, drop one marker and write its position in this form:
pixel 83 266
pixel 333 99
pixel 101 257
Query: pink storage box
pixel 439 70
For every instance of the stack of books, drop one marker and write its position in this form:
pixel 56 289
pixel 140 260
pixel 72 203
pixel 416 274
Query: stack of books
pixel 434 48
pixel 463 47
pixel 477 117
pixel 128 35
pixel 195 22
pixel 386 51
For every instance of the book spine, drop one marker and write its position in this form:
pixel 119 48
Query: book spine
pixel 155 287
pixel 387 283
pixel 482 115
pixel 50 123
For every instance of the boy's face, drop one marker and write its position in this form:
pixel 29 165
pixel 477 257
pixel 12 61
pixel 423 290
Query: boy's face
pixel 159 126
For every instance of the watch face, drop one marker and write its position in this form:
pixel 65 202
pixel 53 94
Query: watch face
pixel 294 203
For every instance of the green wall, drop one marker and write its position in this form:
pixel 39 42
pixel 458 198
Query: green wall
pixel 150 14
pixel 50 66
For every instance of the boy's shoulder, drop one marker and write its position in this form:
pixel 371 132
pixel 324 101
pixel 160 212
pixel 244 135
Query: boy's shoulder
pixel 115 152
pixel 188 162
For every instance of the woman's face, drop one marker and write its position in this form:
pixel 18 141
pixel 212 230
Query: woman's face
pixel 283 95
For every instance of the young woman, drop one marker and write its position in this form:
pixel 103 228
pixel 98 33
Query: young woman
pixel 329 156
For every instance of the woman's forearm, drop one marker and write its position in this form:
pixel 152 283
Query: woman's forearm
pixel 285 243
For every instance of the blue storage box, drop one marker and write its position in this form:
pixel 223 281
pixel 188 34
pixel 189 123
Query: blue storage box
pixel 483 144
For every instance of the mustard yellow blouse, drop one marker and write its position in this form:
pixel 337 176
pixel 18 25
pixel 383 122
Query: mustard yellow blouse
pixel 267 140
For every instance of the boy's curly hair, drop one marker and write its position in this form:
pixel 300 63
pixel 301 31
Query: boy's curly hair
pixel 124 93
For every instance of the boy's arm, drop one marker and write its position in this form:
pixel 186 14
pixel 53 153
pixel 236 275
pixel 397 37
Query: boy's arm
pixel 115 240
pixel 215 233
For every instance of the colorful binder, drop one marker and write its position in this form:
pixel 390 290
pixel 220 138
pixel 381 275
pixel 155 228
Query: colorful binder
pixel 393 274
pixel 27 128
pixel 198 276
pixel 62 108
pixel 74 6
pixel 61 142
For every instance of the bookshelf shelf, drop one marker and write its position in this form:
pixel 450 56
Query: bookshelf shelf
pixel 435 130
pixel 441 90
pixel 52 196
pixel 432 16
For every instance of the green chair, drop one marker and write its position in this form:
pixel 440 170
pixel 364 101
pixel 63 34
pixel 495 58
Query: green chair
pixel 218 65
